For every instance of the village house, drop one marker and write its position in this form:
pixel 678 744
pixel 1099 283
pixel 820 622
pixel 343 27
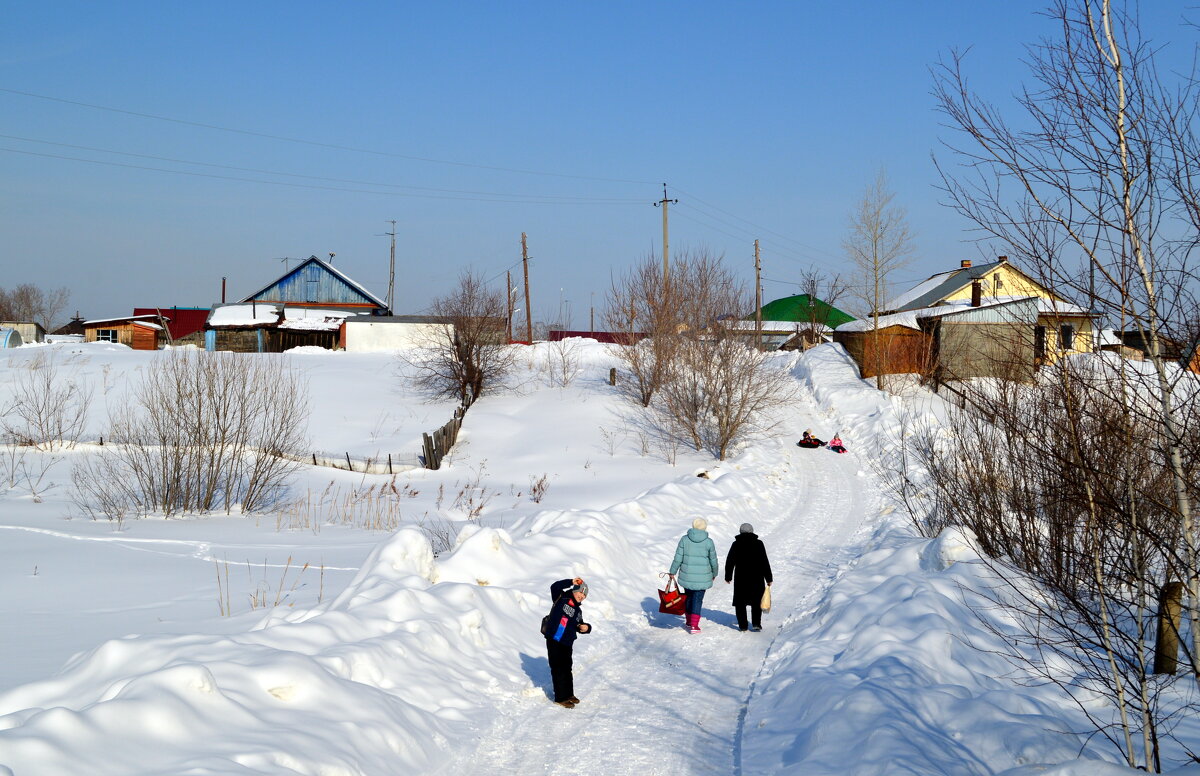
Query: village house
pixel 793 323
pixel 306 306
pixel 140 332
pixel 990 320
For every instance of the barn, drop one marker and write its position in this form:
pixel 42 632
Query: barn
pixel 140 332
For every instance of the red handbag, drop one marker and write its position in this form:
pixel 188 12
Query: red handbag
pixel 671 600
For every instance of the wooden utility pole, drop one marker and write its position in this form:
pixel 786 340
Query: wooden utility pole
pixel 528 309
pixel 392 271
pixel 757 299
pixel 666 251
pixel 508 289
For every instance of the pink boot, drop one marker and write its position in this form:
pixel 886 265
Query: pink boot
pixel 693 623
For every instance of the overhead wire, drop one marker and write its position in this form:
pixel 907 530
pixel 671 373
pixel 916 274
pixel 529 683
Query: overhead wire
pixel 318 144
pixel 551 197
pixel 756 226
pixel 513 199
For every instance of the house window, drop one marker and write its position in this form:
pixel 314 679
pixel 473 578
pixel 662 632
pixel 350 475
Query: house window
pixel 107 335
pixel 1066 337
pixel 1039 343
pixel 999 284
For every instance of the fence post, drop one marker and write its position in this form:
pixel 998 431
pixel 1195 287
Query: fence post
pixel 612 376
pixel 1166 646
pixel 389 463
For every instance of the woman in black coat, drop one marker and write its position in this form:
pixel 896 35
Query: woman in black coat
pixel 750 571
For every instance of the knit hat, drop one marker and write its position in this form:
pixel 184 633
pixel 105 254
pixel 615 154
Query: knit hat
pixel 581 587
pixel 746 528
pixel 808 431
pixel 700 524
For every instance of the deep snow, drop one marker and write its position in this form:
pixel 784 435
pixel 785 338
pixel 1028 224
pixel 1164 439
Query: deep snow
pixel 385 659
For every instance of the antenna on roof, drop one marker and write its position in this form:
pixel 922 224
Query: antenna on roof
pixel 285 260
pixel 331 255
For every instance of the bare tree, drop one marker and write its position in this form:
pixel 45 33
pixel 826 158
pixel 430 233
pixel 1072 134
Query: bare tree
pixel 704 386
pixel 466 353
pixel 48 409
pixel 28 302
pixel 819 286
pixel 878 242
pixel 1098 197
pixel 643 309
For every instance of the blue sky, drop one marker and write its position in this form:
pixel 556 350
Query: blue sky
pixel 469 123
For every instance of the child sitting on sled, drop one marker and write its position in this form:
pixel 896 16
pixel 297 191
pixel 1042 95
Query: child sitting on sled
pixel 809 440
pixel 836 445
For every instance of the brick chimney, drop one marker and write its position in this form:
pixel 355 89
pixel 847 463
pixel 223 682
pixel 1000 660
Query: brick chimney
pixel 966 264
pixel 976 293
pixel 1002 259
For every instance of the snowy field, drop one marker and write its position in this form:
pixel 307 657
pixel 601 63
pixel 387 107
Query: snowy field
pixel 326 638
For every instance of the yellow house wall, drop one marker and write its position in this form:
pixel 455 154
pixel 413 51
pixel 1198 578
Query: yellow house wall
pixel 1013 283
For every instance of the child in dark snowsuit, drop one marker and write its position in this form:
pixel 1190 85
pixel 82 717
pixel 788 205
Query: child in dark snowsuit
pixel 809 440
pixel 748 568
pixel 562 625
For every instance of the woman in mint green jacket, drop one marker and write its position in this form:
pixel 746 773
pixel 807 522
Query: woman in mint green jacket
pixel 696 565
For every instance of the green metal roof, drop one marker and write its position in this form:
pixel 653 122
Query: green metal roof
pixel 802 309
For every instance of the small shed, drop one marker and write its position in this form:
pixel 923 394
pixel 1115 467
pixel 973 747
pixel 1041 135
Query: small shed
pixel 10 338
pixel 140 332
pixel 30 331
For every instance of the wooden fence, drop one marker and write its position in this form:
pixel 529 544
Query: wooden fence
pixel 436 445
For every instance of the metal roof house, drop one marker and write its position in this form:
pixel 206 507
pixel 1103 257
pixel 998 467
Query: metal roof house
pixel 1061 328
pixel 315 283
pixel 795 322
pixel 306 306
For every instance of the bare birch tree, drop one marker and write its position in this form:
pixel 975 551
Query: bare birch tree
pixel 1096 183
pixel 878 242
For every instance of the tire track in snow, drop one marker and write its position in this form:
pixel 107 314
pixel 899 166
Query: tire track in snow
pixel 658 700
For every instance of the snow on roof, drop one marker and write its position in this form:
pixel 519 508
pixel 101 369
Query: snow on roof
pixel 147 325
pixel 259 314
pixel 924 287
pixel 123 318
pixel 308 319
pixel 774 326
pixel 910 318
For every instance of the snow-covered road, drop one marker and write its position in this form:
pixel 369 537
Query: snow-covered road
pixel 658 700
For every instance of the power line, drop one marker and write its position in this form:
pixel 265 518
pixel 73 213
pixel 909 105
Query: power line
pixel 757 227
pixel 597 200
pixel 512 199
pixel 318 144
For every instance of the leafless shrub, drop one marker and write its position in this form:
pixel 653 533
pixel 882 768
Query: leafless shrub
pixel 467 352
pixel 203 432
pixel 562 362
pixel 474 495
pixel 48 410
pixel 1065 482
pixel 538 487
pixel 706 387
pixel 439 531
pixel 644 310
